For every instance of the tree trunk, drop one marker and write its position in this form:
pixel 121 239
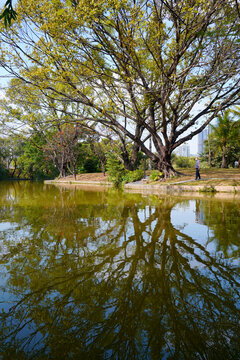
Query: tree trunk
pixel 224 161
pixel 130 162
pixel 12 173
pixel 209 152
pixel 126 160
pixel 19 173
pixel 150 148
pixel 103 169
pixel 61 171
pixel 165 166
pixel 134 156
pixel 14 170
pixel 167 169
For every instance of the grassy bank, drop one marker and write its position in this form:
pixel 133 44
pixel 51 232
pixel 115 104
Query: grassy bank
pixel 213 176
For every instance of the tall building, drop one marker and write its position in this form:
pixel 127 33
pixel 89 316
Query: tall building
pixel 183 150
pixel 202 137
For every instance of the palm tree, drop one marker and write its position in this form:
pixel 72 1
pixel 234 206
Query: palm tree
pixel 226 131
pixel 237 113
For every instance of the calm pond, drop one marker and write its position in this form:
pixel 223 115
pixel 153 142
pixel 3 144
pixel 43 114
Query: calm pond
pixel 109 275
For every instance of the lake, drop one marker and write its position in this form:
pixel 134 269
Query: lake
pixel 105 274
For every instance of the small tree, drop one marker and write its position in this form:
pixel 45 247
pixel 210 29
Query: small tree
pixel 63 149
pixel 12 148
pixel 115 169
pixel 32 163
pixel 100 151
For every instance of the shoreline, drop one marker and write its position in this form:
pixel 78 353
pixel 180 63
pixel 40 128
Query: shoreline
pixel 169 189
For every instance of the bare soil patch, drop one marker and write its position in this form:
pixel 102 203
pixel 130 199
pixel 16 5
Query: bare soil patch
pixel 98 177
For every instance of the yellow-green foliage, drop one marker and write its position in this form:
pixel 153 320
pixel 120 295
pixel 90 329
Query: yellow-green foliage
pixel 131 176
pixel 156 175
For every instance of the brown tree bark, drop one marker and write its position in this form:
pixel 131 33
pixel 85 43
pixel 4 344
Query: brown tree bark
pixel 224 161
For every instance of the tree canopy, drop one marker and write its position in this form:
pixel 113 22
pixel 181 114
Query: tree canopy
pixel 139 69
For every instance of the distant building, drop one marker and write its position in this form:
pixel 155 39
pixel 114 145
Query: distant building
pixel 201 138
pixel 183 150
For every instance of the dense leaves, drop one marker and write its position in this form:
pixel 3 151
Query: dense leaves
pixel 223 144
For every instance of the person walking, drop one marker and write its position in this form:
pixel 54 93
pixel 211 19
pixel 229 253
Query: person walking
pixel 197 166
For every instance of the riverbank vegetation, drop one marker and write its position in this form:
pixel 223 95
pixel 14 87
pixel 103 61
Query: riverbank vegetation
pixel 57 156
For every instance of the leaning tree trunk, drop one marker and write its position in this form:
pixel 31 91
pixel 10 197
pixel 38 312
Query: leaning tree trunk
pixel 75 174
pixel 13 172
pixel 19 173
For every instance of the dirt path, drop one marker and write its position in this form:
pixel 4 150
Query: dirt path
pixel 98 177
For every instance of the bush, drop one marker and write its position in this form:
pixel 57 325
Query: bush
pixel 91 165
pixel 156 175
pixel 118 175
pixel 208 189
pixel 115 169
pixel 131 176
pixel 204 165
pixel 184 162
pixel 3 172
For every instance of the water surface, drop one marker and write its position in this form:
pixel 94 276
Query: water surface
pixel 109 275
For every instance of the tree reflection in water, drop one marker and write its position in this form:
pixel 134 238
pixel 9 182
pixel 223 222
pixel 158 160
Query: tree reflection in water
pixel 103 276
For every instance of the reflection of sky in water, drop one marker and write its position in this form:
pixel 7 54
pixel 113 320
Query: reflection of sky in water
pixel 190 222
pixel 184 219
pixel 6 225
pixel 10 232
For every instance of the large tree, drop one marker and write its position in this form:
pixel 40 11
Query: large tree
pixel 159 70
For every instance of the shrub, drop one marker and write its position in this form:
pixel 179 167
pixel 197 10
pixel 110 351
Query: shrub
pixel 156 175
pixel 184 162
pixel 91 165
pixel 118 175
pixel 3 172
pixel 208 189
pixel 204 165
pixel 115 169
pixel 131 176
